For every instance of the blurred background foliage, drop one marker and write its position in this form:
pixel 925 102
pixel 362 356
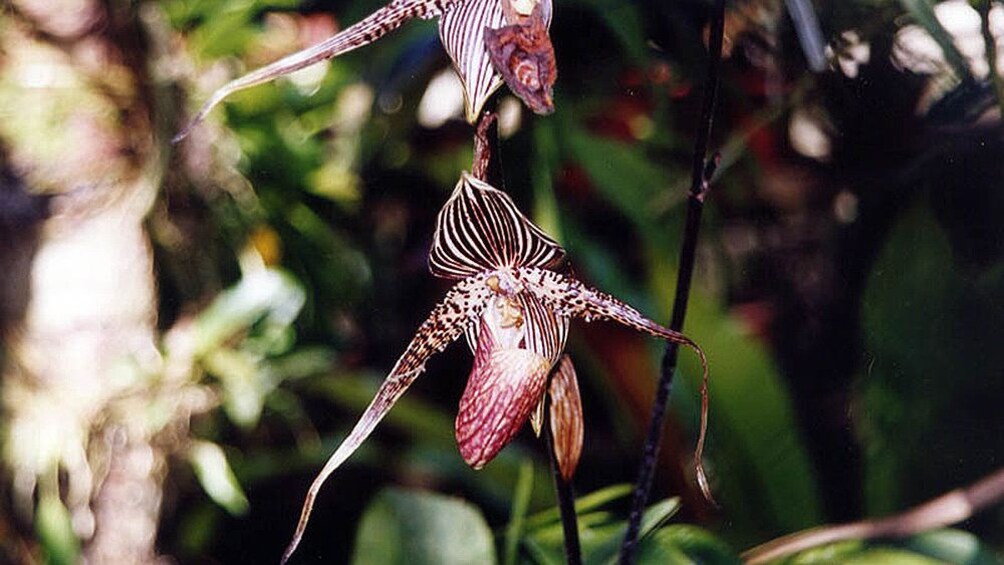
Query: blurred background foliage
pixel 849 294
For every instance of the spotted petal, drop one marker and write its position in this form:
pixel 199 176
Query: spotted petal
pixel 481 229
pixel 373 27
pixel 570 297
pixel 451 317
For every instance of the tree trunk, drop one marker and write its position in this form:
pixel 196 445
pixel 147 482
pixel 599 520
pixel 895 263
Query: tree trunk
pixel 79 335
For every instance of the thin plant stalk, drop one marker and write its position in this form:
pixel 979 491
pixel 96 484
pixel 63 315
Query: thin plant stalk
pixel 702 171
pixel 566 503
pixel 950 508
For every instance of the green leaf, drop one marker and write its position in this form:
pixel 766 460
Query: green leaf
pixel 889 556
pixel 268 294
pixel 55 531
pixel 932 332
pixel 682 543
pixel 517 518
pixel 419 528
pixel 769 485
pixel 246 383
pixel 940 546
pixel 626 23
pixel 951 546
pixel 621 172
pixel 583 504
pixel 216 477
pixel 607 551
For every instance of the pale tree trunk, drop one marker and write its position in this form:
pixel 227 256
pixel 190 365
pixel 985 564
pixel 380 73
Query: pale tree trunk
pixel 76 125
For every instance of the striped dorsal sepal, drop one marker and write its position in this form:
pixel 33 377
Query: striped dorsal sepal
pixel 480 229
pixel 462 31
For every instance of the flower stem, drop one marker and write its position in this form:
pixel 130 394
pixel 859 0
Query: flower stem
pixel 483 146
pixel 566 503
pixel 702 171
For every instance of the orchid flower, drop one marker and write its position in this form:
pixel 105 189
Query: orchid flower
pixel 488 41
pixel 514 309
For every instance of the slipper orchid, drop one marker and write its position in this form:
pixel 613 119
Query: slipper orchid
pixel 474 33
pixel 514 310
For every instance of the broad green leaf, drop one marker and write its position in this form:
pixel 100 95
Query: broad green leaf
pixel 583 504
pixel 932 332
pixel 245 380
pixel 622 173
pixel 625 21
pixel 685 544
pixel 422 528
pixel 940 546
pixel 769 485
pixel 607 551
pixel 889 556
pixel 952 546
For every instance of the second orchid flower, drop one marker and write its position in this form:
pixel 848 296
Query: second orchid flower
pixel 488 41
pixel 514 310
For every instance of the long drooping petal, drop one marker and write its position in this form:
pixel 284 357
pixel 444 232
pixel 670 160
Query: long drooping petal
pixel 373 27
pixel 462 307
pixel 572 298
pixel 567 429
pixel 481 229
pixel 518 342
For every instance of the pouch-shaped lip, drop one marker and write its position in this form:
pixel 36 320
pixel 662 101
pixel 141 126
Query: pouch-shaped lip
pixel 518 341
pixel 504 386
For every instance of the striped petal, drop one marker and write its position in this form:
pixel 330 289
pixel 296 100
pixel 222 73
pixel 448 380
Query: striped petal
pixel 462 31
pixel 569 297
pixel 480 229
pixel 373 27
pixel 566 417
pixel 451 317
